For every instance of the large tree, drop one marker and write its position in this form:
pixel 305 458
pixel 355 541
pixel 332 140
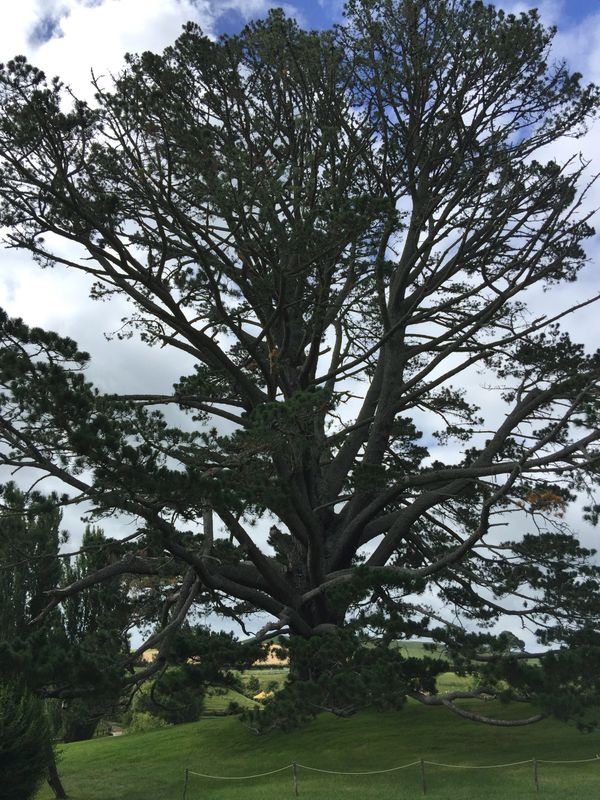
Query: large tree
pixel 342 229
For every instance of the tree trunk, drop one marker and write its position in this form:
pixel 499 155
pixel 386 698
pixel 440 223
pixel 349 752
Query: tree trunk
pixel 80 730
pixel 54 780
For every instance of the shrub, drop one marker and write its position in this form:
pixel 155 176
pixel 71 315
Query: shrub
pixel 144 721
pixel 175 697
pixel 252 686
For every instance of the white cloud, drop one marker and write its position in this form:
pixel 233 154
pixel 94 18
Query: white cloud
pixel 96 36
pixel 16 27
pixel 551 11
pixel 580 46
pixel 256 9
pixel 69 38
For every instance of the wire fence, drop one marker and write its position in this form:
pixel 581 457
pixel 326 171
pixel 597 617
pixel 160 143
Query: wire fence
pixel 295 767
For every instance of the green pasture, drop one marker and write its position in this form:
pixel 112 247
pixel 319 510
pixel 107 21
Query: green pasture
pixel 217 701
pixel 265 676
pixel 152 765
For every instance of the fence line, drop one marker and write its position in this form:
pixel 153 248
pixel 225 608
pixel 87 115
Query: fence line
pixel 295 767
pixel 240 777
pixel 394 769
pixel 371 772
pixel 572 761
pixel 484 766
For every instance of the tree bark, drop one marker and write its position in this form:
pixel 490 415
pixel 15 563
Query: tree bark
pixel 54 780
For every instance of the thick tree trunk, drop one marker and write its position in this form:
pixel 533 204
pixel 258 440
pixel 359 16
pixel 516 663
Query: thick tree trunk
pixel 80 730
pixel 54 780
pixel 325 621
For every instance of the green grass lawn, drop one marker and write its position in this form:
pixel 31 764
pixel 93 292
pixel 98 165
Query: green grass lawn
pixel 151 765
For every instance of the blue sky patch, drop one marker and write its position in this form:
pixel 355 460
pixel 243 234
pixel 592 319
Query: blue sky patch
pixel 48 27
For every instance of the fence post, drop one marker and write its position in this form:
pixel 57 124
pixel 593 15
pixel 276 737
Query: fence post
pixel 295 773
pixel 423 781
pixel 185 783
pixel 535 775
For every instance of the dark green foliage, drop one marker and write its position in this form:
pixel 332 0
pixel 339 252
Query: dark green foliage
pixel 198 659
pixel 25 744
pixel 78 646
pixel 338 672
pixel 252 686
pixel 175 697
pixel 95 624
pixel 30 537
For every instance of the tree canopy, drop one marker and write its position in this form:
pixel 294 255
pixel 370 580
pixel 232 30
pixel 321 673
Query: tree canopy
pixel 342 229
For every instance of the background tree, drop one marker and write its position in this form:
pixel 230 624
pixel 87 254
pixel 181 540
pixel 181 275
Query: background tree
pixel 337 227
pixel 24 742
pixel 85 641
pixel 29 544
pixel 95 621
pixel 30 538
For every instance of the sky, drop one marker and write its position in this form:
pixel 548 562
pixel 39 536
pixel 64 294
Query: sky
pixel 70 38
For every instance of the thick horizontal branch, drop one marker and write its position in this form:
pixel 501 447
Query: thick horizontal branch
pixel 131 564
pixel 447 700
pixel 187 594
pixel 207 406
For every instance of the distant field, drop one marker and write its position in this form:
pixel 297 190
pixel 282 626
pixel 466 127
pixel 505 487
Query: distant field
pixel 218 701
pixel 419 649
pixel 265 676
pixel 151 765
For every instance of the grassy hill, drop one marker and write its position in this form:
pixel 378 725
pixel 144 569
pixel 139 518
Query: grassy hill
pixel 140 766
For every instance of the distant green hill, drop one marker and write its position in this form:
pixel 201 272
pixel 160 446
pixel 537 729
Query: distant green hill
pixel 151 765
